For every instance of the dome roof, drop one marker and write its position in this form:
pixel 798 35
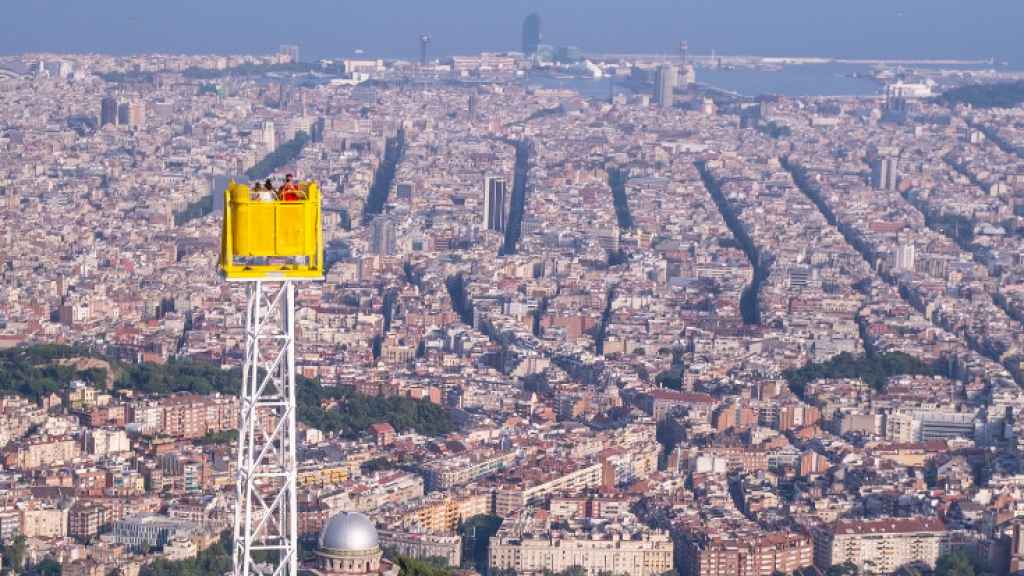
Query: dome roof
pixel 349 531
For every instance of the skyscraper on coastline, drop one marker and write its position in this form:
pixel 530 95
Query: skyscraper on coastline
pixel 531 33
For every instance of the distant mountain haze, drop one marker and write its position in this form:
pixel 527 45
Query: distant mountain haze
pixel 390 28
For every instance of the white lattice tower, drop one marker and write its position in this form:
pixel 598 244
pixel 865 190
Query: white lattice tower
pixel 266 515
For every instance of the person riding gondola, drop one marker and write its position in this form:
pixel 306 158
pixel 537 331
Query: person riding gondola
pixel 289 191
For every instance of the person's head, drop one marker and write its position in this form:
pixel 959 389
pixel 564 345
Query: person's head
pixel 268 183
pixel 259 186
pixel 287 177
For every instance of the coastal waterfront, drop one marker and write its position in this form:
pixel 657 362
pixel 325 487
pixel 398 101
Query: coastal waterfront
pixel 792 81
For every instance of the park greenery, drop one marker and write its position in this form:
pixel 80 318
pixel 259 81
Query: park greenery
pixel 222 438
pixel 179 376
pixel 774 129
pixel 32 372
pixel 672 377
pixel 960 563
pixel 874 370
pixel 997 95
pixel 669 433
pixel 15 555
pixel 353 415
pixel 408 566
pixel 356 412
pixel 214 560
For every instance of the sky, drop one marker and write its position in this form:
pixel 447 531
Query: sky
pixel 390 28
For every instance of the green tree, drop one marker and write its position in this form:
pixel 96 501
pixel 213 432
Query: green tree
pixel 476 531
pixel 14 553
pixel 374 465
pixel 413 567
pixel 47 567
pixel 671 378
pixel 844 569
pixel 875 370
pixel 998 95
pixel 954 564
pixel 213 561
pixel 669 433
pixel 32 371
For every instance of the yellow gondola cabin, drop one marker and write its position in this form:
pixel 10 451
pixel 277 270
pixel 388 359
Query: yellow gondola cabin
pixel 272 240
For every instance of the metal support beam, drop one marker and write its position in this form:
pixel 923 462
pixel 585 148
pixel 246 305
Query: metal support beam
pixel 266 512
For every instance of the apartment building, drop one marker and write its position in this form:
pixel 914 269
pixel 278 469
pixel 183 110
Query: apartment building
pixel 882 545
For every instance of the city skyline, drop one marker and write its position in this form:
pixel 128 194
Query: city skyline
pixel 473 311
pixel 913 29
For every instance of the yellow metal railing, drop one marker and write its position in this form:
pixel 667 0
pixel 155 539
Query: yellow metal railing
pixel 267 240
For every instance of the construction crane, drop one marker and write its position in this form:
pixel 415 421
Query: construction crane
pixel 269 245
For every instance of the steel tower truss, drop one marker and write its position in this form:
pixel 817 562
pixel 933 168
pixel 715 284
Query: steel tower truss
pixel 266 513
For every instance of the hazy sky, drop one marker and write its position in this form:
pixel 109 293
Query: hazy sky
pixel 324 28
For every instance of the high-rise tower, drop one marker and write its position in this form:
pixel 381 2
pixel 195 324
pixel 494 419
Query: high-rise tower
pixel 531 33
pixel 424 43
pixel 131 113
pixel 108 111
pixel 495 191
pixel 883 173
pixel 665 85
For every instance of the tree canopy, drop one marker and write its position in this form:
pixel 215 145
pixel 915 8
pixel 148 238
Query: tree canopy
pixel 32 372
pixel 414 567
pixel 671 378
pixel 477 531
pixel 997 95
pixel 215 560
pixel 959 563
pixel 875 370
pixel 14 553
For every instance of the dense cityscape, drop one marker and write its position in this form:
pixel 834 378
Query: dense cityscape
pixel 669 329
